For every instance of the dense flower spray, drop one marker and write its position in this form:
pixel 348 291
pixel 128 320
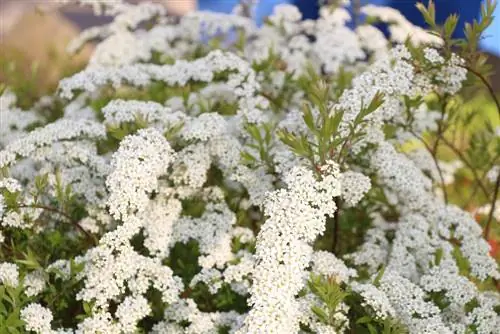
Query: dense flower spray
pixel 205 175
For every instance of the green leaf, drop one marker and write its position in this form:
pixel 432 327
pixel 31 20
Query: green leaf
pixel 308 117
pixel 364 320
pixel 450 25
pixel 320 313
pixel 299 144
pixel 248 157
pixel 254 132
pixel 379 276
pixel 376 102
pixel 328 290
pixel 334 122
pixel 87 308
pixel 438 256
pixel 372 329
pixel 41 182
pixel 392 326
pixel 428 13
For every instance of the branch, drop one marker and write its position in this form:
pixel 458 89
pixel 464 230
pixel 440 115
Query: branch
pixel 336 227
pixel 476 187
pixel 434 158
pixel 497 185
pixel 487 84
pixel 492 210
pixel 90 237
pixel 467 163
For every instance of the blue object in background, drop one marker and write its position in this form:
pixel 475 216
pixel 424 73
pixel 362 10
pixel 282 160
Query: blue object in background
pixel 468 10
pixel 491 41
pixel 263 9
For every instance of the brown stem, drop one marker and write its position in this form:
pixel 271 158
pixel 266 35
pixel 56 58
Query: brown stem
pixel 471 197
pixel 467 163
pixel 497 185
pixel 336 227
pixel 476 187
pixel 492 210
pixel 487 84
pixel 65 215
pixel 436 163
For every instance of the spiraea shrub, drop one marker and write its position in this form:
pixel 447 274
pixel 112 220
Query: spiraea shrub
pixel 205 175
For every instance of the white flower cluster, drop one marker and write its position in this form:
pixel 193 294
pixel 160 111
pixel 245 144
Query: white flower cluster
pixel 376 299
pixel 59 131
pixel 295 218
pixel 409 303
pixel 400 28
pixel 169 141
pixel 9 274
pixel 137 164
pixel 354 186
pixel 34 283
pixel 37 318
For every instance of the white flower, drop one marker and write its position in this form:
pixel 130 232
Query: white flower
pixel 137 164
pixel 354 186
pixel 2 210
pixel 375 299
pixel 130 311
pixel 9 274
pixel 122 111
pixel 61 268
pixel 99 322
pixel 58 131
pixel 257 182
pixel 408 301
pixel 34 283
pixel 37 318
pixel 295 218
pixel 492 174
pixel 327 264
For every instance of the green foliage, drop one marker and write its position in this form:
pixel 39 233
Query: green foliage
pixel 330 293
pixel 324 140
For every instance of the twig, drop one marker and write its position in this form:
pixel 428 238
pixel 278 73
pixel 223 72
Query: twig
pixel 492 209
pixel 336 227
pixel 65 215
pixel 476 187
pixel 497 185
pixel 487 84
pixel 434 158
pixel 467 163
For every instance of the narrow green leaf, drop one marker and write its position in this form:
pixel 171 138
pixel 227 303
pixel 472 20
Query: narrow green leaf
pixel 320 313
pixel 379 276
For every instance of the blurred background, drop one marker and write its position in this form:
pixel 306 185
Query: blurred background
pixel 34 33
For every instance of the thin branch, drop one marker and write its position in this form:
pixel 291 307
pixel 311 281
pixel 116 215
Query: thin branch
pixel 492 209
pixel 336 227
pixel 487 84
pixel 476 187
pixel 471 197
pixel 65 215
pixel 436 163
pixel 467 163
pixel 497 185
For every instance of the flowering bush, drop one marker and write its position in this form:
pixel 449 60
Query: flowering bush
pixel 204 175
